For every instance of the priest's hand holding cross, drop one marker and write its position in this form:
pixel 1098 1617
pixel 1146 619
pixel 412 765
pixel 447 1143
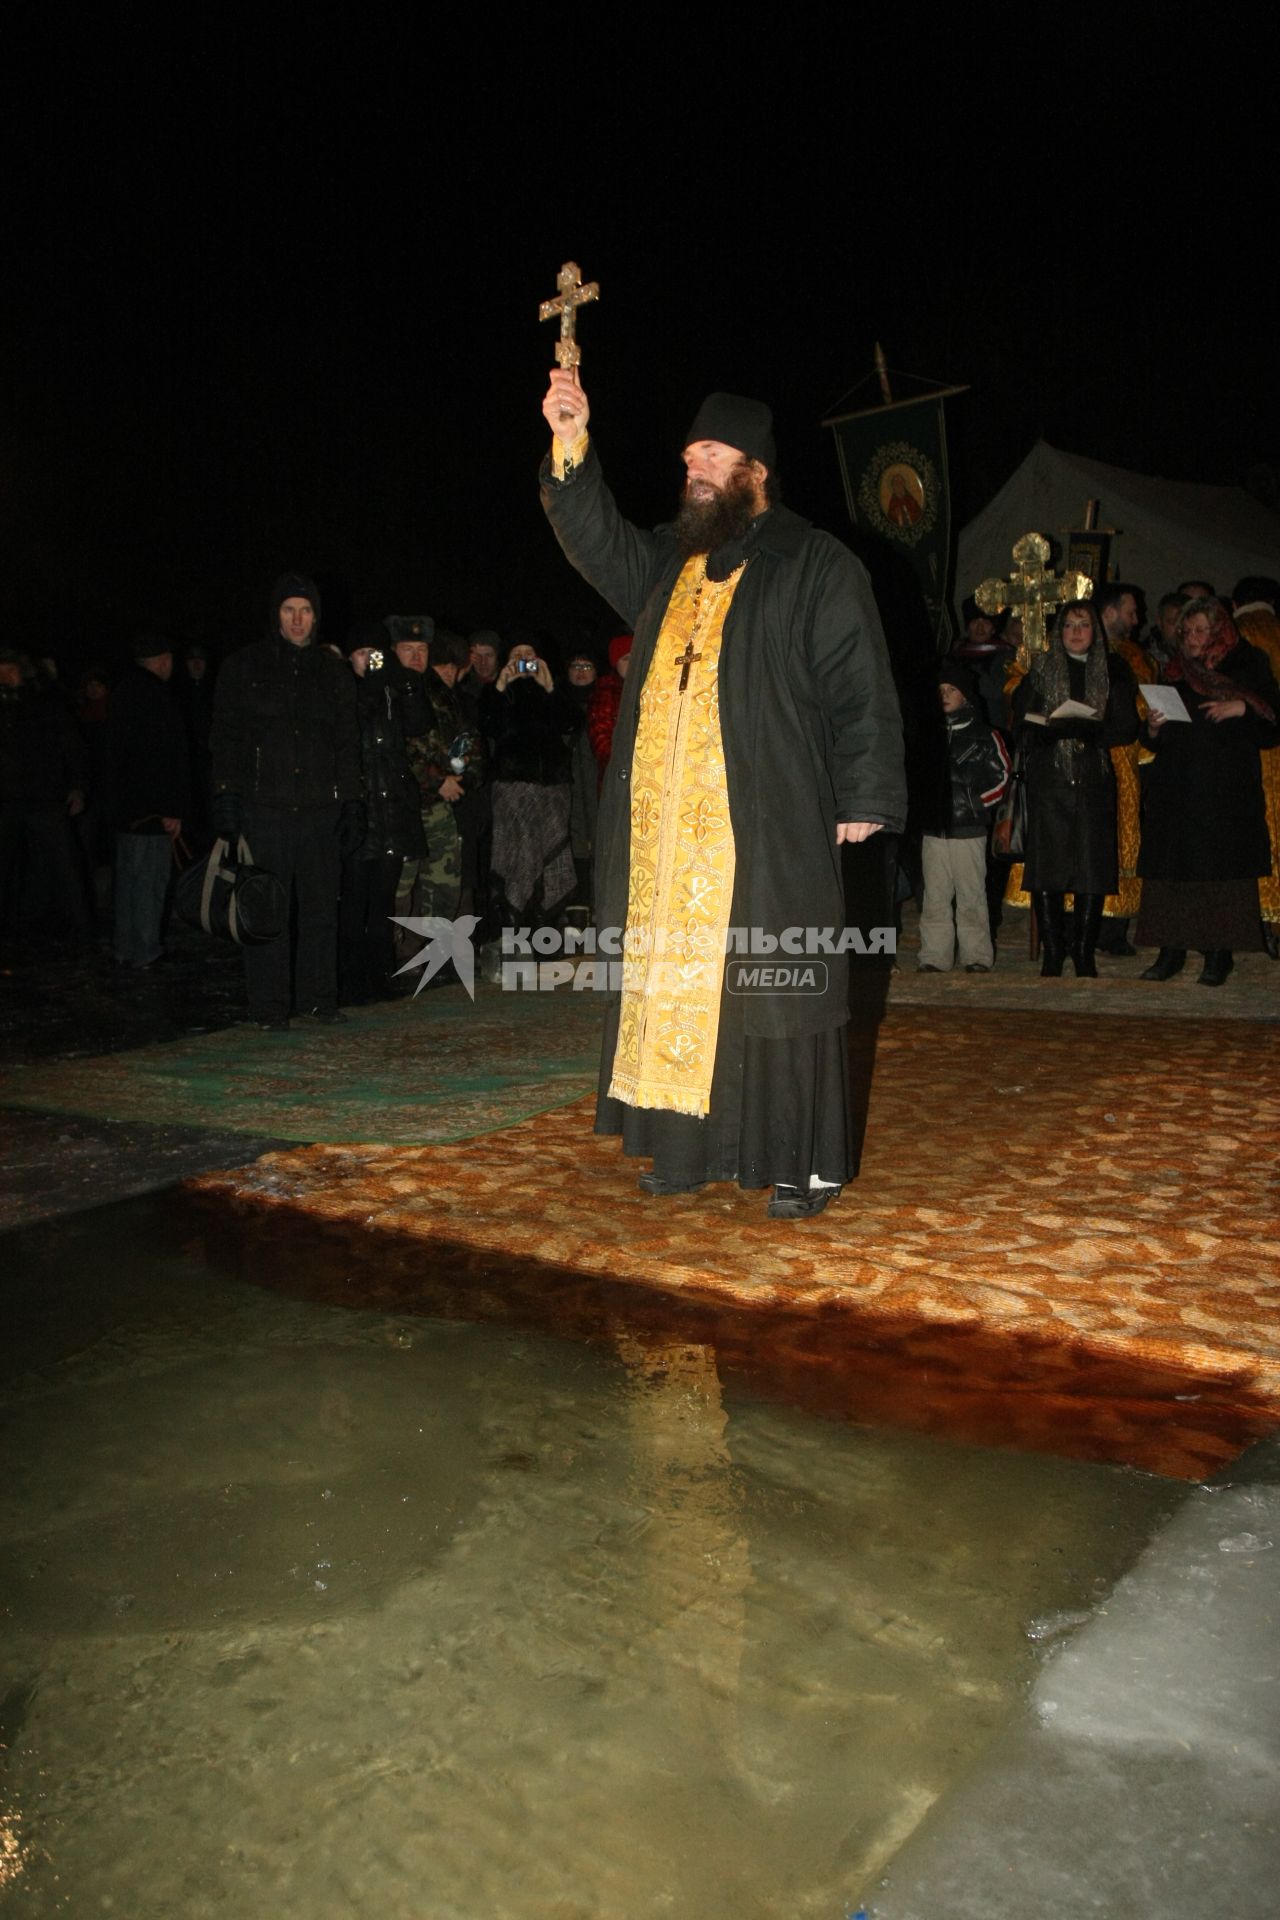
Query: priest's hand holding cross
pixel 565 408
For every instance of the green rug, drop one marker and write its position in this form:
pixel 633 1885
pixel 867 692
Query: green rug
pixel 411 1073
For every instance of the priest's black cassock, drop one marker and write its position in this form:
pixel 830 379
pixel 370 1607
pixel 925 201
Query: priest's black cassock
pixel 811 737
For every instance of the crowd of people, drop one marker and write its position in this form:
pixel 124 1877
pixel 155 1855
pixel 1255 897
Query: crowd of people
pixel 412 772
pixel 1156 812
pixel 406 772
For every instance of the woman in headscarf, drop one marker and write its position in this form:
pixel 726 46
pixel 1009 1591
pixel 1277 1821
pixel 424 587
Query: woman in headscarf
pixel 1077 702
pixel 1204 828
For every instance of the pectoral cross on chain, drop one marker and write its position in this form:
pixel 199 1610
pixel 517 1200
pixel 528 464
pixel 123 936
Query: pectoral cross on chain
pixel 684 661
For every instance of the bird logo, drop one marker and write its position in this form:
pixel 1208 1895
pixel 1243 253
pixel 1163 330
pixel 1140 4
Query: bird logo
pixel 447 940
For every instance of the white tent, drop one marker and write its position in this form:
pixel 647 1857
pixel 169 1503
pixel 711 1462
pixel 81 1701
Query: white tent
pixel 1169 530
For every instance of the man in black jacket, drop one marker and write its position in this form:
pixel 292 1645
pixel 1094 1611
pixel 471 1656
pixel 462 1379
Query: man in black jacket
pixel 390 707
pixel 148 797
pixel 758 734
pixel 44 776
pixel 286 777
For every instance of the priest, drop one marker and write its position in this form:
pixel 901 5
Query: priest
pixel 758 734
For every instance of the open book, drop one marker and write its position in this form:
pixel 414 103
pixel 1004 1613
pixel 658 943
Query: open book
pixel 1069 710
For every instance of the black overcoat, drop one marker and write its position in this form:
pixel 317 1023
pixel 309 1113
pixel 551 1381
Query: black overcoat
pixel 1071 786
pixel 808 715
pixel 1203 813
pixel 527 728
pixel 148 755
pixel 390 706
pixel 284 727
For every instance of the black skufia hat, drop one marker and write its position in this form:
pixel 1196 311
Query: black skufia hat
pixel 737 422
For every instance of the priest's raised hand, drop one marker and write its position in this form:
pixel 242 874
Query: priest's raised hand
pixel 565 408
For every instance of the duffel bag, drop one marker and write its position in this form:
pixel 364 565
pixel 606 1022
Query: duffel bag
pixel 228 896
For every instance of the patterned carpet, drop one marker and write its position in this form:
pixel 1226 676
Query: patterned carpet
pixel 1062 1236
pixel 412 1071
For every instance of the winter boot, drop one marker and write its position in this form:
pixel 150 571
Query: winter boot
pixel 1168 961
pixel 1053 939
pixel 1084 937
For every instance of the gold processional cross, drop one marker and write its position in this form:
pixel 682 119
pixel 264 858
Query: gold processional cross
pixel 571 296
pixel 1031 591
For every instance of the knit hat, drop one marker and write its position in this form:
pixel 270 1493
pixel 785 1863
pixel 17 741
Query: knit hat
pixel 621 644
pixel 292 586
pixel 952 674
pixel 736 422
pixel 149 646
pixel 365 633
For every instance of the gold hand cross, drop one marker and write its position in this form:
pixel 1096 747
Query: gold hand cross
pixel 571 296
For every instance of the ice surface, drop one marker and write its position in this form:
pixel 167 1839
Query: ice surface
pixel 1145 1777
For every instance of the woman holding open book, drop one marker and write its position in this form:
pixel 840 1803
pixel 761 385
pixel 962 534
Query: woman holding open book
pixel 1077 702
pixel 1204 823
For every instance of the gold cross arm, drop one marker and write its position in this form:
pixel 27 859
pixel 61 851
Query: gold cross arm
pixel 571 296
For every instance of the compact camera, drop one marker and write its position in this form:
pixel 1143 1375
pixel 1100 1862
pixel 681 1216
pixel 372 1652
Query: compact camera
pixel 526 666
pixel 377 660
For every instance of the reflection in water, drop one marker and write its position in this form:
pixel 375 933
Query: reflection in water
pixel 11 1854
pixel 695 1555
pixel 963 1381
pixel 342 1611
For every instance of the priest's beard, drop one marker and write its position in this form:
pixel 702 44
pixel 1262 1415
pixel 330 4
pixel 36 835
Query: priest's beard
pixel 701 526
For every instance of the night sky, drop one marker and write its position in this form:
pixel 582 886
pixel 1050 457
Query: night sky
pixel 276 304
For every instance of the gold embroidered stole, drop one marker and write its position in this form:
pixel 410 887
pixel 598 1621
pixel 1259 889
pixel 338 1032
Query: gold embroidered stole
pixel 682 861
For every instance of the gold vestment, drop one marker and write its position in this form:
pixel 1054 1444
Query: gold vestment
pixel 1260 627
pixel 680 888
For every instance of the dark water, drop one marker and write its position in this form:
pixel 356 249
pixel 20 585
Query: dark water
pixel 326 1611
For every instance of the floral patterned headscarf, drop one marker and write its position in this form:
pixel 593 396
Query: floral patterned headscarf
pixel 1202 675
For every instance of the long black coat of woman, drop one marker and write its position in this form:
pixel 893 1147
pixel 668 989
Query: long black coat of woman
pixel 1071 785
pixel 1204 825
pixel 527 717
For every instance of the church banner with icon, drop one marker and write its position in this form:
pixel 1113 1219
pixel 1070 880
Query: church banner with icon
pixel 894 463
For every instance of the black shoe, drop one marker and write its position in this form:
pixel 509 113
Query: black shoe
pixel 800 1203
pixel 924 967
pixel 1217 966
pixel 330 1017
pixel 976 966
pixel 1168 961
pixel 1114 940
pixel 659 1187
